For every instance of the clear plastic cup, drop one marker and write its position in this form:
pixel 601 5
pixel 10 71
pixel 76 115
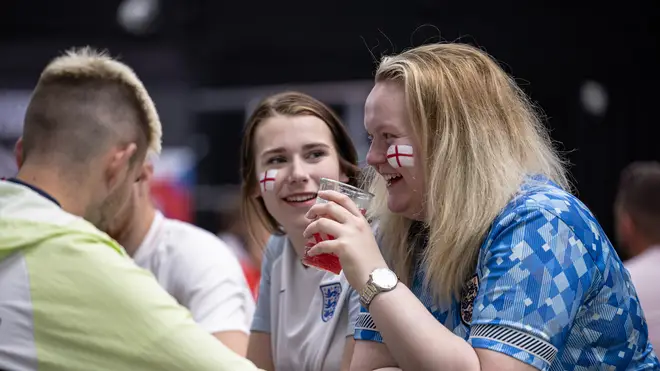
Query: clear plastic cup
pixel 330 262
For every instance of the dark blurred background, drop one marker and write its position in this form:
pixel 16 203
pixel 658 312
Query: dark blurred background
pixel 591 66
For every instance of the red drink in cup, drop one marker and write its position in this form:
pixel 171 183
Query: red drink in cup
pixel 330 262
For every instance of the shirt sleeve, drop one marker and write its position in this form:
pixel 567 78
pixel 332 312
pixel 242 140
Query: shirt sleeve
pixel 534 276
pixel 211 284
pixel 353 310
pixel 365 328
pixel 97 307
pixel 261 320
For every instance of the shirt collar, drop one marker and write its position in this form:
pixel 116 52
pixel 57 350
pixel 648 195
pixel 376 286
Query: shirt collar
pixel 34 188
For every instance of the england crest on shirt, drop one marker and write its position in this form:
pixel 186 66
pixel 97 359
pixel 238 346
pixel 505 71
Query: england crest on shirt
pixel 331 293
pixel 468 294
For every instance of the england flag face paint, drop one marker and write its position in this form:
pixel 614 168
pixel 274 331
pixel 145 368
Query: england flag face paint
pixel 267 180
pixel 400 155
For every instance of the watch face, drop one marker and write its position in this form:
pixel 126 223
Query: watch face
pixel 384 278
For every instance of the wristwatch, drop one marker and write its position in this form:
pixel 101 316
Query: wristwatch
pixel 380 280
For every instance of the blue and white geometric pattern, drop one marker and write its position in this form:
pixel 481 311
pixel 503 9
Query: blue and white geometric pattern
pixel 552 291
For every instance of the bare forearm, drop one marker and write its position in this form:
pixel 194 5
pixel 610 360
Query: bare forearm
pixel 234 340
pixel 259 351
pixel 415 338
pixel 348 354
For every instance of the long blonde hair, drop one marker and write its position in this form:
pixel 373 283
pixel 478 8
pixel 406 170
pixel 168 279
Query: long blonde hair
pixel 479 136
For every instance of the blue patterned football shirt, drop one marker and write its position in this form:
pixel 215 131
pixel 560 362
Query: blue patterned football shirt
pixel 548 289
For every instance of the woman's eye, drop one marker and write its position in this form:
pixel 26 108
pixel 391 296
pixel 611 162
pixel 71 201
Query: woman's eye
pixel 316 154
pixel 276 160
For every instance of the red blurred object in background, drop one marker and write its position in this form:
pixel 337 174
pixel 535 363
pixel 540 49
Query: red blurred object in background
pixel 171 186
pixel 253 276
pixel 172 199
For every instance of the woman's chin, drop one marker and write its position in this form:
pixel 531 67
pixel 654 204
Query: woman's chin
pixel 402 207
pixel 396 204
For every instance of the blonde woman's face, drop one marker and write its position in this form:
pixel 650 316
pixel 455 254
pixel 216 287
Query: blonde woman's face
pixel 394 152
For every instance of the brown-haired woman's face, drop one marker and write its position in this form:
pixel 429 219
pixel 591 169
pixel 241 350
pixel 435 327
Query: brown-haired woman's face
pixel 292 154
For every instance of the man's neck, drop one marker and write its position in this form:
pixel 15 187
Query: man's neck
pixel 136 231
pixel 638 244
pixel 75 202
pixel 647 247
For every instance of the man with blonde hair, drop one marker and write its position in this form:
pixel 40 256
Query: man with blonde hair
pixel 71 298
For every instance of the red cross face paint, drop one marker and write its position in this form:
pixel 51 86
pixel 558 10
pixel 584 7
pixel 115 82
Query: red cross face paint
pixel 267 180
pixel 400 155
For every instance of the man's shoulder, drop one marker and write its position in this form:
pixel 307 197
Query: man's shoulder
pixel 60 240
pixel 32 212
pixel 189 236
pixel 643 266
pixel 193 246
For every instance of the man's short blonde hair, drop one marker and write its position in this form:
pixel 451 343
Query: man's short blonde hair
pixel 87 96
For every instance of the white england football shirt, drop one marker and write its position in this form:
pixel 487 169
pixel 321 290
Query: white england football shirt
pixel 200 272
pixel 308 312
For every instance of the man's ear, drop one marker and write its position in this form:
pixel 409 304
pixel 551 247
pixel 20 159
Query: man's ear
pixel 624 230
pixel 144 180
pixel 18 152
pixel 626 224
pixel 118 164
pixel 147 173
